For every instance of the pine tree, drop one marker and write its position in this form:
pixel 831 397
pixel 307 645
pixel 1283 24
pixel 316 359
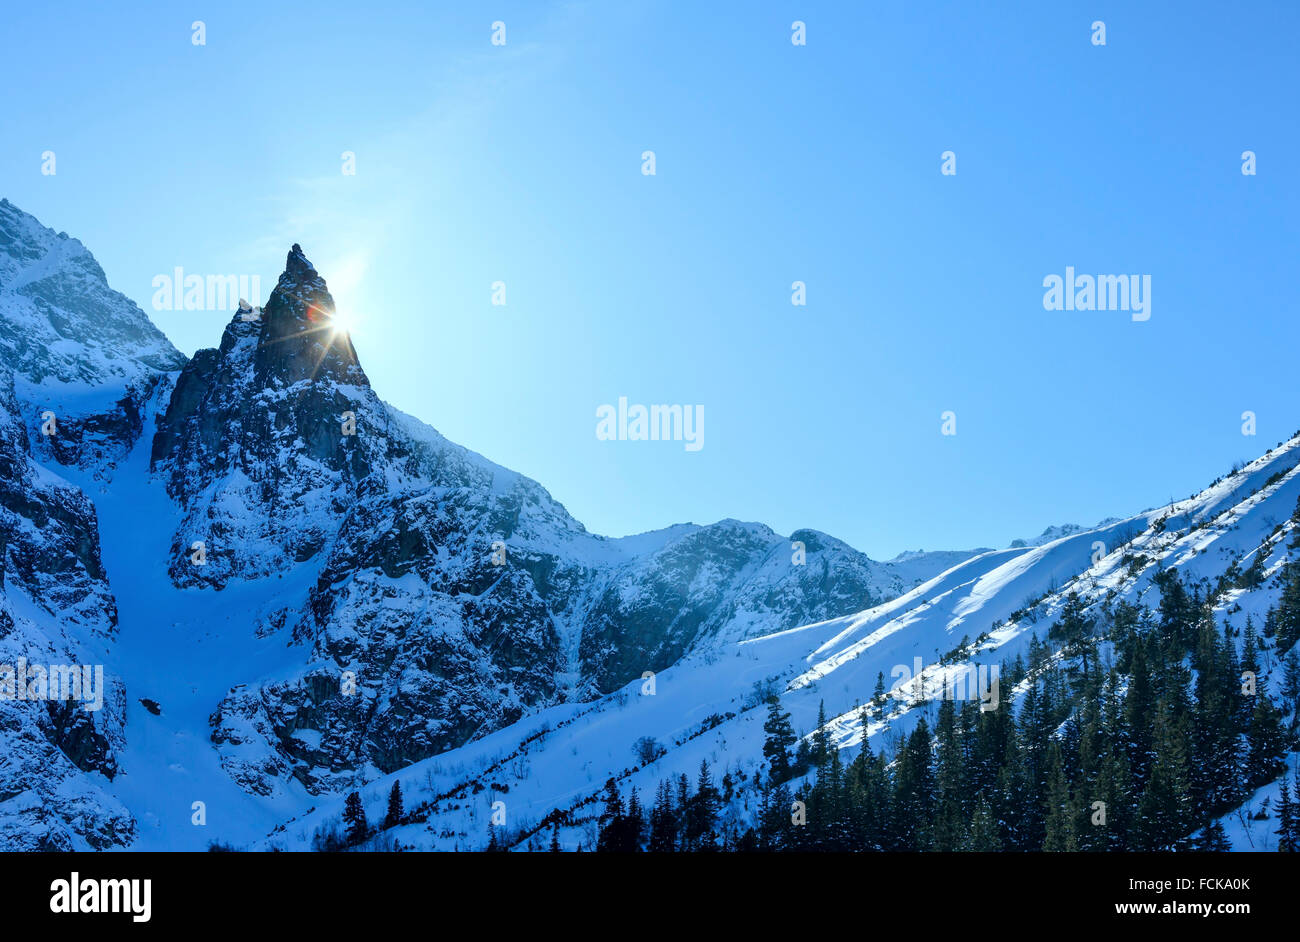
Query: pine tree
pixel 1164 810
pixel 832 813
pixel 1059 823
pixel 784 834
pixel 1266 740
pixel 1015 800
pixel 914 797
pixel 1288 606
pixel 1114 787
pixel 1074 624
pixel 982 835
pixel 703 817
pixel 1214 776
pixel 613 837
pixel 1213 839
pixel 1036 727
pixel 395 810
pixel 779 738
pixel 1138 708
pixel 821 737
pixel 683 812
pixel 1176 608
pixel 1250 647
pixel 1291 685
pixel 1288 836
pixel 555 839
pixel 950 825
pixel 635 824
pixel 354 819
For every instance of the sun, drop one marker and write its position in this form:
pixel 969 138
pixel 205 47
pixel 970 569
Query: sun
pixel 342 322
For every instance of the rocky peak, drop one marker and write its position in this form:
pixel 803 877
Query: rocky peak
pixel 280 417
pixel 299 339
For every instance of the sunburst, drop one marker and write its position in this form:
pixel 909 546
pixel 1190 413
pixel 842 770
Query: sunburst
pixel 335 325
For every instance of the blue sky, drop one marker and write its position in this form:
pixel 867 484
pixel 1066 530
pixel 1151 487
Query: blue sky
pixel 775 163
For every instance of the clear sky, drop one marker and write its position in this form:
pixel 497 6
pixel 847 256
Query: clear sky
pixel 521 163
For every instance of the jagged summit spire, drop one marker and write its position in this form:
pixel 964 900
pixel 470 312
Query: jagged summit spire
pixel 297 334
pixel 296 264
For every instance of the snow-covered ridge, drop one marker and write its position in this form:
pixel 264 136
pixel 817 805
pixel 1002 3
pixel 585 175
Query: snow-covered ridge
pixel 261 551
pixel 388 605
pixel 553 766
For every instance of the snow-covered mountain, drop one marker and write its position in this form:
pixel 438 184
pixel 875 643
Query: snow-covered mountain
pixel 296 591
pixel 74 346
pixel 77 364
pixel 56 609
pixel 552 766
pixel 295 588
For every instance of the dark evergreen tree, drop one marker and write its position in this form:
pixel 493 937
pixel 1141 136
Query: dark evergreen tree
pixel 635 824
pixel 1291 685
pixel 395 812
pixel 702 820
pixel 1266 739
pixel 779 738
pixel 1288 821
pixel 878 697
pixel 1074 625
pixel 615 834
pixel 914 794
pixel 1059 816
pixel 1213 839
pixel 950 765
pixel 1014 808
pixel 1287 619
pixel 354 819
pixel 982 836
pixel 683 814
pixel 1214 775
pixel 1164 812
pixel 663 822
pixel 821 737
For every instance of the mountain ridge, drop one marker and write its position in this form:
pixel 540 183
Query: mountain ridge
pixel 316 594
pixel 263 479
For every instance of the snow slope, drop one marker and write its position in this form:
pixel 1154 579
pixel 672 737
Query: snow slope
pixel 705 706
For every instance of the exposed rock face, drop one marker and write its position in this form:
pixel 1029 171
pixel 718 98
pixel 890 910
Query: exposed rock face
pixel 77 361
pixel 253 445
pixel 452 596
pixel 727 581
pixel 443 645
pixel 55 610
